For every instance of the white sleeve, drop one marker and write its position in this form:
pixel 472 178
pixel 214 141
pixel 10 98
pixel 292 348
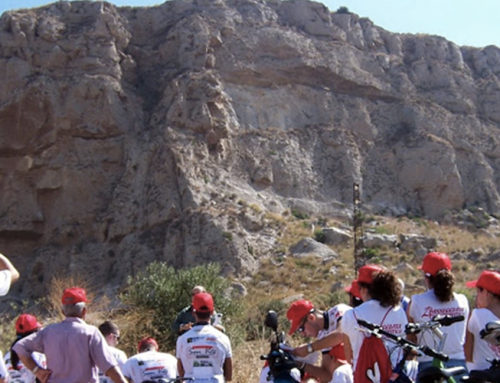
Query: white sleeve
pixel 5 279
pixel 126 369
pixel 3 369
pixel 39 359
pixel 473 325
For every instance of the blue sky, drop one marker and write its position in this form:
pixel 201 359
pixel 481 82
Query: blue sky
pixel 465 22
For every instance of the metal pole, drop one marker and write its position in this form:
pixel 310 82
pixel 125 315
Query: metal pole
pixel 357 222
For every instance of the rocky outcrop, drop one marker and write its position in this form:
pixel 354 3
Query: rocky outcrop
pixel 135 134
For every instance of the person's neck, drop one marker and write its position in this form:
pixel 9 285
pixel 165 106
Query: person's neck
pixel 494 306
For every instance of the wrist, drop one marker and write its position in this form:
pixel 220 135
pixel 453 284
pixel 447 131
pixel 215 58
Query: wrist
pixel 35 370
pixel 309 348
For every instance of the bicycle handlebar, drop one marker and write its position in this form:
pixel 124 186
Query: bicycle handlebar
pixel 435 322
pixel 377 330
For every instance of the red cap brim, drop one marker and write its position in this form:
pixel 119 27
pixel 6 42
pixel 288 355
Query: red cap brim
pixel 471 284
pixel 293 328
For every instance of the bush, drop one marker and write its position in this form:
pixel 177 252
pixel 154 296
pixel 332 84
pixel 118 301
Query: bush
pixel 319 235
pixel 156 295
pixel 343 10
pixel 299 215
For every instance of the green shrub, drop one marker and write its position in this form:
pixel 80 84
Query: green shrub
pixel 319 235
pixel 158 293
pixel 298 214
pixel 343 10
pixel 371 253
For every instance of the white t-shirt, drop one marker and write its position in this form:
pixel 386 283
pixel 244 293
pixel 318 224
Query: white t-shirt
pixel 3 367
pixel 203 351
pixel 150 365
pixel 22 374
pixel 425 306
pixel 343 374
pixel 482 349
pixel 332 319
pixel 371 311
pixel 120 357
pixel 5 279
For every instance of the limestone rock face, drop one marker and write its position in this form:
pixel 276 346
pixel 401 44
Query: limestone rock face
pixel 129 135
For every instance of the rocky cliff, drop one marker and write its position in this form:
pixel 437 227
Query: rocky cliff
pixel 129 135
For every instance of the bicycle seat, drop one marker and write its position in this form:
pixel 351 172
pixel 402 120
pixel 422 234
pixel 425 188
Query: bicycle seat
pixel 433 374
pixel 490 375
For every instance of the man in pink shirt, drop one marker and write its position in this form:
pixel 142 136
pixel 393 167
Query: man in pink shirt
pixel 74 349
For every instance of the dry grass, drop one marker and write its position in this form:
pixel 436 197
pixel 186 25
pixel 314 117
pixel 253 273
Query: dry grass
pixel 283 277
pixel 246 361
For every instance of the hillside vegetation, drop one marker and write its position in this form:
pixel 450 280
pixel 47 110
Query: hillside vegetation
pixel 153 297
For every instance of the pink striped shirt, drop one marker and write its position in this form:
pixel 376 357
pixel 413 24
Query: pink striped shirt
pixel 74 350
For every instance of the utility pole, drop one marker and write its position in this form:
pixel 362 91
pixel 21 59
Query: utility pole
pixel 357 223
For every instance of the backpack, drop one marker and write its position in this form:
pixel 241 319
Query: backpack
pixel 374 365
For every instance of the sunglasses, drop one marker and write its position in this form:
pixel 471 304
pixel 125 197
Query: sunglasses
pixel 117 337
pixel 302 326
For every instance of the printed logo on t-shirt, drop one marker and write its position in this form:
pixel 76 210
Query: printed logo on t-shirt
pixel 202 351
pixel 393 328
pixel 451 311
pixel 155 372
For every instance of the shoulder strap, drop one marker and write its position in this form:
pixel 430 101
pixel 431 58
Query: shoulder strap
pixel 385 316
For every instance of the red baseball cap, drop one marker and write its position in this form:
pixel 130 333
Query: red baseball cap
pixel 74 295
pixel 296 313
pixel 434 262
pixel 146 342
pixel 354 289
pixel 338 353
pixel 366 272
pixel 488 280
pixel 27 323
pixel 203 303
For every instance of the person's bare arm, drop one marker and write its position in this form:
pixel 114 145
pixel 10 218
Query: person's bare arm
pixel 180 368
pixel 116 375
pixel 228 369
pixel 410 337
pixel 324 372
pixel 469 344
pixel 348 349
pixel 6 264
pixel 331 340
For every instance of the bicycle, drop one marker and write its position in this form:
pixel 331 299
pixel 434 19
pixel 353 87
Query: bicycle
pixel 429 375
pixel 281 362
pixel 434 326
pixel 491 334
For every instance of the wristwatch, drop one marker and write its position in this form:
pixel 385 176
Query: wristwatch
pixel 309 348
pixel 35 370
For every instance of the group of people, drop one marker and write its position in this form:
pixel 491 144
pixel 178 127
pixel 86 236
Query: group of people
pixel 73 351
pixel 376 297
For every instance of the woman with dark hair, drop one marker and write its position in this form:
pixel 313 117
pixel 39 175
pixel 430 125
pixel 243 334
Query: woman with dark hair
pixel 477 350
pixel 439 299
pixel 380 292
pixel 25 325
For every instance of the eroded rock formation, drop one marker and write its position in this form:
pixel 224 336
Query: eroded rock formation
pixel 134 134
